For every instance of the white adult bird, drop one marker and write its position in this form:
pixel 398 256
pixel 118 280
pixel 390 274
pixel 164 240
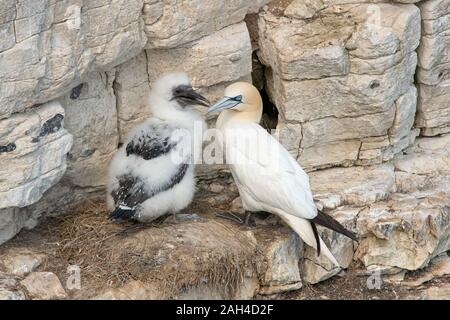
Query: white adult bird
pixel 267 176
pixel 153 172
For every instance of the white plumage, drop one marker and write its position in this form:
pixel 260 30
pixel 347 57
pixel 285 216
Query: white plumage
pixel 153 172
pixel 267 176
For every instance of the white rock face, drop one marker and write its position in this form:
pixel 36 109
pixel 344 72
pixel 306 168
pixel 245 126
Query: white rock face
pixel 437 293
pixel 20 263
pixel 433 73
pixel 425 166
pixel 400 211
pixel 131 87
pixel 50 47
pixel 336 187
pixel 137 290
pixel 132 290
pixel 170 23
pixel 438 267
pixel 43 286
pixel 34 147
pixel 11 221
pixel 92 120
pixel 216 59
pixel 281 256
pixel 347 83
pixel 404 233
pixel 8 289
pixel 307 9
pixel 413 227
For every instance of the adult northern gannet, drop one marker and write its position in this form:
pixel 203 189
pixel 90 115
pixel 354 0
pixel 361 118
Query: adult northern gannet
pixel 267 176
pixel 153 172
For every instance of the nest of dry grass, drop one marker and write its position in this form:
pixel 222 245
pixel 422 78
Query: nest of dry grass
pixel 110 254
pixel 83 238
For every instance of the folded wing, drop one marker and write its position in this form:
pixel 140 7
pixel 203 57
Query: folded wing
pixel 268 172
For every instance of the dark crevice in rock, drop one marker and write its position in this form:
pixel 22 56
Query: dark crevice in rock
pixel 269 119
pixel 270 112
pixel 319 265
pixel 116 89
pixel 76 92
pixel 8 148
pixel 51 126
pixel 374 84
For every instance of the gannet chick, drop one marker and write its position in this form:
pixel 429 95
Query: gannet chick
pixel 267 176
pixel 153 172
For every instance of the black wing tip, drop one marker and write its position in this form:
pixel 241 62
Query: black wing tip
pixel 122 214
pixel 349 234
pixel 352 236
pixel 330 223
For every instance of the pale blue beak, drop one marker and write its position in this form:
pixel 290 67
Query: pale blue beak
pixel 223 104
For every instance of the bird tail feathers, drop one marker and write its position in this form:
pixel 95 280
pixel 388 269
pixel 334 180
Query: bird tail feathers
pixel 330 223
pixel 316 235
pixel 305 230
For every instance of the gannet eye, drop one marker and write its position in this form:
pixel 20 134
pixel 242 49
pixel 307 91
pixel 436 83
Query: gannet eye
pixel 237 98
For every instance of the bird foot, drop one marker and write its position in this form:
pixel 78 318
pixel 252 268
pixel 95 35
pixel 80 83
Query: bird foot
pixel 235 217
pixel 230 216
pixel 249 220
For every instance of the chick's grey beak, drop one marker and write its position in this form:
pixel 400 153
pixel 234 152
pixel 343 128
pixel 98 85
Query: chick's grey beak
pixel 225 103
pixel 188 94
